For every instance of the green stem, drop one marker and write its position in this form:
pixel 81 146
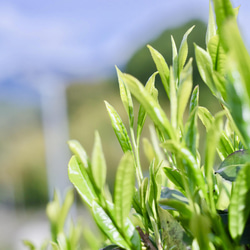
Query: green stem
pixel 139 174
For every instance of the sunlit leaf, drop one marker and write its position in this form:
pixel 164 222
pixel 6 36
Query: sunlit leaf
pixel 151 106
pixel 119 128
pixel 98 163
pixel 211 29
pixel 162 67
pixel 173 99
pixel 239 208
pixel 80 179
pixel 126 97
pixel 124 188
pixel 183 51
pixel 107 226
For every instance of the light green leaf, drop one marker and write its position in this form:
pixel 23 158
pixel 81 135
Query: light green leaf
pixel 175 177
pixel 98 166
pixel 78 150
pixel 239 208
pixel 217 54
pixel 205 67
pixel 151 106
pixel 212 140
pixel 184 91
pixel 173 99
pixel 150 87
pixel 200 226
pixel 183 51
pixel 162 67
pixel 191 133
pixel 80 179
pixel 174 59
pixel 107 226
pixel 211 29
pixel 119 128
pixel 230 167
pixel 126 97
pixel 205 116
pixel 124 188
pixel 29 244
pixel 180 206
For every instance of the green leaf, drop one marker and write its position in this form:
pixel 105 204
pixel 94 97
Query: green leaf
pixel 217 54
pixel 80 179
pixel 191 167
pixel 239 208
pixel 172 232
pixel 191 133
pixel 173 99
pixel 230 167
pixel 174 59
pixel 126 97
pixel 151 106
pixel 162 67
pixel 150 87
pixel 107 226
pixel 185 89
pixel 29 244
pixel 124 188
pixel 98 166
pixel 169 193
pixel 119 128
pixel 205 117
pixel 205 67
pixel 78 150
pixel 211 29
pixel 200 226
pixel 174 176
pixel 180 206
pixel 223 10
pixel 212 140
pixel 183 51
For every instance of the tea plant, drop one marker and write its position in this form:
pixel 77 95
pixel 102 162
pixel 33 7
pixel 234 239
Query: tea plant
pixel 186 202
pixel 179 205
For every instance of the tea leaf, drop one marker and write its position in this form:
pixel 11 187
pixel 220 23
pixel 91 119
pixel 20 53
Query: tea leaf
pixel 174 59
pixel 239 208
pixel 80 179
pixel 172 232
pixel 126 97
pixel 107 226
pixel 174 176
pixel 200 226
pixel 98 163
pixel 124 188
pixel 180 206
pixel 78 150
pixel 119 128
pixel 230 167
pixel 173 99
pixel 183 51
pixel 150 87
pixel 211 29
pixel 191 133
pixel 162 67
pixel 151 106
pixel 185 89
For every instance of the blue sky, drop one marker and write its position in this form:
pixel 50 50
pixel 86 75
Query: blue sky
pixel 84 39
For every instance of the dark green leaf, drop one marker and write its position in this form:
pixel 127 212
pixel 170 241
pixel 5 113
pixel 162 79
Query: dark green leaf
pixel 230 167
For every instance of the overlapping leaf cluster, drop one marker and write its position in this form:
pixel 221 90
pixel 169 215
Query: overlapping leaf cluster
pixel 178 205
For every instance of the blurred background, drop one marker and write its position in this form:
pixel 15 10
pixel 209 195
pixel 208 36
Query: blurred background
pixel 57 63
